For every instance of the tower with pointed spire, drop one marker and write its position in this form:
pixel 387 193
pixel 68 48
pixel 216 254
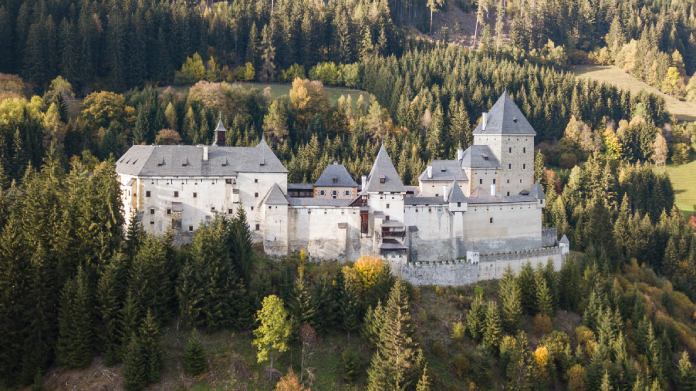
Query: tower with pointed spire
pixel 510 137
pixel 220 133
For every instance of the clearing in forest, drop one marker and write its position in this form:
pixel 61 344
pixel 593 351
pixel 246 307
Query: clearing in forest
pixel 683 179
pixel 685 111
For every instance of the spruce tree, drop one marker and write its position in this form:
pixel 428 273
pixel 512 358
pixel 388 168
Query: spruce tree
pixel 424 381
pixel 525 280
pixel 194 355
pixel 475 318
pixel 544 300
pixel 510 301
pixel 110 296
pixel 492 331
pixel 398 361
pixel 75 339
pixel 134 365
pixel 302 306
pixel 150 341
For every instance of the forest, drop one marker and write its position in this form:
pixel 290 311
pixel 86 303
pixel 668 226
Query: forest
pixel 82 81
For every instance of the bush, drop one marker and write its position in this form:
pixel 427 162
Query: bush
pixel 327 72
pixel 293 72
pixel 350 75
pixel 350 365
pixel 680 153
pixel 461 365
pixel 194 355
pixel 458 330
pixel 542 324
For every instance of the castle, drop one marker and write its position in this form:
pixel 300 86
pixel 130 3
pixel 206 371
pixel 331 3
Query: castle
pixel 468 219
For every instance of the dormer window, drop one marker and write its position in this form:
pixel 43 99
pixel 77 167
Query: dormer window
pixel 382 179
pixel 334 180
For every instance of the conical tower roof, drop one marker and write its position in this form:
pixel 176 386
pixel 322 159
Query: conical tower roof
pixel 505 118
pixel 383 176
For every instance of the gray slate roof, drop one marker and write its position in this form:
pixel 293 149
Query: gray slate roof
pixel 416 200
pixel 187 160
pixel 456 194
pixel 311 201
pixel 479 156
pixel 505 118
pixel 383 176
pixel 275 196
pixel 445 170
pixel 335 175
pixel 538 192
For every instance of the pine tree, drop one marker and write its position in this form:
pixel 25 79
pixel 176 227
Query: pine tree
pixel 194 355
pixel 424 381
pixel 398 360
pixel 492 330
pixel 525 280
pixel 134 365
pixel 475 318
pixel 110 295
pixel 510 301
pixel 150 341
pixel 268 66
pixel 302 306
pixel 75 339
pixel 687 375
pixel 544 300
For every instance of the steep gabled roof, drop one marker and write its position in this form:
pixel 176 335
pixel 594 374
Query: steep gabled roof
pixel 335 175
pixel 187 160
pixel 444 170
pixel 479 156
pixel 220 127
pixel 505 118
pixel 383 176
pixel 456 194
pixel 275 196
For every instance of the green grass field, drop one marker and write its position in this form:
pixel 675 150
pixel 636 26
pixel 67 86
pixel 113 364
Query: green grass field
pixel 685 111
pixel 683 179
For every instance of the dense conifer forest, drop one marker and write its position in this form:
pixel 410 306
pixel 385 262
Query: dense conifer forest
pixel 82 81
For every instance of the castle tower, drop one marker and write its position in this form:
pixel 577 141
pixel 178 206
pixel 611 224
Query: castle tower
pixel 220 134
pixel 510 137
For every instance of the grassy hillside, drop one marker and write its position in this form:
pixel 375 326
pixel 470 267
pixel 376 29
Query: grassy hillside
pixel 608 74
pixel 683 179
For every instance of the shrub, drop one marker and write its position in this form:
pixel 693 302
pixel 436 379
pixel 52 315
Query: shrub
pixel 458 330
pixel 350 365
pixel 327 72
pixel 461 365
pixel 542 324
pixel 293 72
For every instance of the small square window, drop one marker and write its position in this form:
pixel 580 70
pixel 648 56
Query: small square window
pixel 176 194
pixel 256 180
pixel 459 204
pixel 480 181
pixel 524 149
pixel 252 208
pixel 524 166
pixel 152 222
pixel 494 181
pixel 510 149
pixel 147 193
pixel 491 220
pixel 509 166
pixel 212 209
pixel 258 227
pixel 387 206
pixel 347 192
pixel 190 228
pixel 269 207
pixel 256 195
pixel 152 211
pixel 228 181
pixel 230 211
pixel 333 192
pixel 195 195
pixel 508 194
pixel 169 211
pixel 321 192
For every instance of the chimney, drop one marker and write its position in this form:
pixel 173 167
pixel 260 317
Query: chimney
pixel 460 153
pixel 444 193
pixel 484 121
pixel 493 190
pixel 430 172
pixel 363 182
pixel 205 153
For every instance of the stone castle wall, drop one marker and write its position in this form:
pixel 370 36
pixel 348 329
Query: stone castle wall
pixel 463 272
